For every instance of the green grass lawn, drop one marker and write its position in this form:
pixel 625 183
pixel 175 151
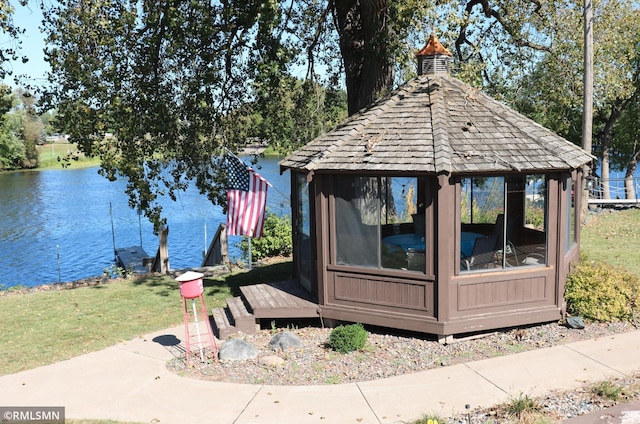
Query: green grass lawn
pixel 50 156
pixel 613 238
pixel 44 327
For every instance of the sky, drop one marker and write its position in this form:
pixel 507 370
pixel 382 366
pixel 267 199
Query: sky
pixel 29 18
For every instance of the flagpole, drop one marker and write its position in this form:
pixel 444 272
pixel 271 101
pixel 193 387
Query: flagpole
pixel 243 179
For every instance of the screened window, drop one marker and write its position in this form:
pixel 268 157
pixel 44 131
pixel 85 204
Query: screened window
pixel 503 222
pixel 379 223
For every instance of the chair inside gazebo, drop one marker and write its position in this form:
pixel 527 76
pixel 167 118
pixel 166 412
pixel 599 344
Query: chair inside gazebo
pixel 521 231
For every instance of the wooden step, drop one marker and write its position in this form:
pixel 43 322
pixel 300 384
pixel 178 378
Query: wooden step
pixel 233 319
pixel 261 301
pixel 241 318
pixel 222 328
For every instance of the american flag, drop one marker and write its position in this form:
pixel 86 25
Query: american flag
pixel 246 199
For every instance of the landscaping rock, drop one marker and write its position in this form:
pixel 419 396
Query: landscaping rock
pixel 237 350
pixel 283 341
pixel 271 361
pixel 575 322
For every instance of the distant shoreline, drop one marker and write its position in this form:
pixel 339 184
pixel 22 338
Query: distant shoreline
pixel 50 162
pixel 254 149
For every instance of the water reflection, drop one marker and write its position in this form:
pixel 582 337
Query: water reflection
pixel 59 222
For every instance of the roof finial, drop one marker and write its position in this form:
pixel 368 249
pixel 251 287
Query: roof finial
pixel 434 58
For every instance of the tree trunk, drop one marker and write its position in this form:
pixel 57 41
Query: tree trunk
pixel 605 171
pixel 363 31
pixel 629 181
pixel 607 142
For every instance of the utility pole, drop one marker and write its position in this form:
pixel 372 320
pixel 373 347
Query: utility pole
pixel 587 111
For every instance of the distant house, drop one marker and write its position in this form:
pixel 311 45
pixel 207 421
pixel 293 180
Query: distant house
pixel 57 138
pixel 437 209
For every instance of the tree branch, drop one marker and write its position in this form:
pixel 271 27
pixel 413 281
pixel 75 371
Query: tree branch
pixel 316 39
pixel 491 13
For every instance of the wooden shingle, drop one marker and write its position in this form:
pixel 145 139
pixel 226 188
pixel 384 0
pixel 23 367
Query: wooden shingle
pixel 437 124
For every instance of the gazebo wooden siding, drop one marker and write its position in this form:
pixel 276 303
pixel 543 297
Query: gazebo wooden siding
pixel 446 303
pixel 439 130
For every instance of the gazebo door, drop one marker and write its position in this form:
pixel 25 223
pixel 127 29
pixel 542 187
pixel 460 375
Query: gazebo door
pixel 304 255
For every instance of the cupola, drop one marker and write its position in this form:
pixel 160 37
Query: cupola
pixel 434 58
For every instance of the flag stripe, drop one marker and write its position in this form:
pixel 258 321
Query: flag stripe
pixel 246 209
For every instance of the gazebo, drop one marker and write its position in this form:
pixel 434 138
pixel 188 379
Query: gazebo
pixel 438 210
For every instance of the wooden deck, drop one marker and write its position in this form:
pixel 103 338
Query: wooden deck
pixel 279 300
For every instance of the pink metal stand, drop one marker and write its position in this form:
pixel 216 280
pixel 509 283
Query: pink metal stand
pixel 191 288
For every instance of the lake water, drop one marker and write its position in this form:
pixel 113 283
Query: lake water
pixel 56 225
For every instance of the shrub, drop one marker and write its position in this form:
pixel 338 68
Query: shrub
pixel 430 419
pixel 607 390
pixel 275 240
pixel 347 338
pixel 523 404
pixel 600 292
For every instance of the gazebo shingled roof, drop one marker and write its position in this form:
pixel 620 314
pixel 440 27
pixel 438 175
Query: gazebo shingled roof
pixel 438 124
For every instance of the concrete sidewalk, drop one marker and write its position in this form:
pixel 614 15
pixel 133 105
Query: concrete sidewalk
pixel 130 382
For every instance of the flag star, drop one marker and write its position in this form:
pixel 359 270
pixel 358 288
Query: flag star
pixel 238 174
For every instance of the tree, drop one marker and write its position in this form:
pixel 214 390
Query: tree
pixel 364 30
pixel 11 46
pixel 159 92
pixel 628 135
pixel 159 89
pixel 552 93
pixel 616 78
pixel 12 149
pixel 48 119
pixel 31 127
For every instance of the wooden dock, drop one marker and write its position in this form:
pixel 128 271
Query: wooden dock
pixel 615 202
pixel 133 259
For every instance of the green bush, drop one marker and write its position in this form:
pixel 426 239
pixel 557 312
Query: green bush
pixel 275 240
pixel 600 292
pixel 522 404
pixel 535 217
pixel 347 338
pixel 607 390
